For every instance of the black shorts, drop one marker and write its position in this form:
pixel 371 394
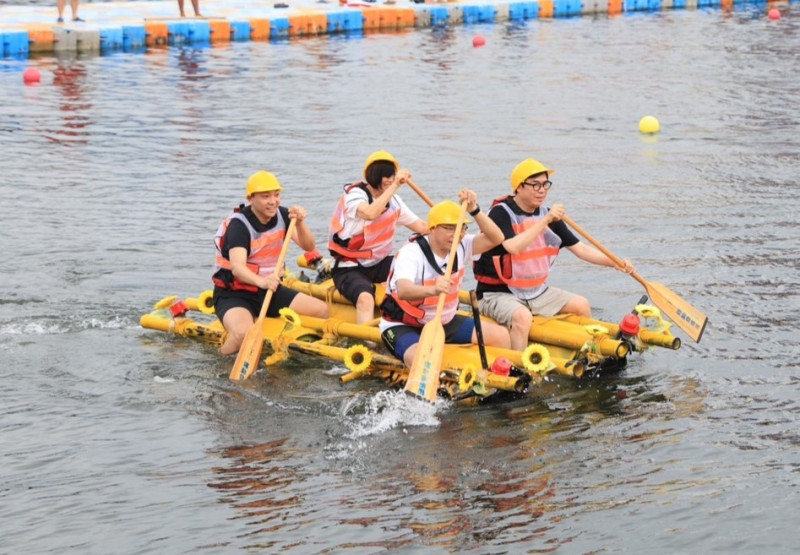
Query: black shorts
pixel 352 281
pixel 224 300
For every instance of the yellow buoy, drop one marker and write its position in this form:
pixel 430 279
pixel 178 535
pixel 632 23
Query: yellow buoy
pixel 649 124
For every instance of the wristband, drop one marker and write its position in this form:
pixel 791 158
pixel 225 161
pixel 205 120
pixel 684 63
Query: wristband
pixel 475 212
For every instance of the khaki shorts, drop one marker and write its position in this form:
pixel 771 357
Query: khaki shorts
pixel 500 307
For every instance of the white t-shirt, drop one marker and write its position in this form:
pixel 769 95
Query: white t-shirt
pixel 410 263
pixel 353 225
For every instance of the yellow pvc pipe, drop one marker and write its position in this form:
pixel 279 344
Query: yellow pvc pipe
pixel 574 339
pixel 565 334
pixel 495 381
pixel 342 329
pixel 648 337
pixel 182 326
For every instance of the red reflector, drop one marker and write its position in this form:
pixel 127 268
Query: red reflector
pixel 629 324
pixel 501 366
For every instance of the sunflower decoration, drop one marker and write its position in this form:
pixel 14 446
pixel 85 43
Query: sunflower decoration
pixel 290 317
pixel 647 311
pixel 280 351
pixel 480 389
pixel 596 330
pixel 205 302
pixel 466 379
pixel 166 302
pixel 652 315
pixel 536 358
pixel 358 358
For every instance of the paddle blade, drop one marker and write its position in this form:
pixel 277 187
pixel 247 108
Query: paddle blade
pixel 688 318
pixel 249 353
pixel 423 378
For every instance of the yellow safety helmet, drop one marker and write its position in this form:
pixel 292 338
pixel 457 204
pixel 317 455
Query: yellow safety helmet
pixel 377 156
pixel 524 170
pixel 262 182
pixel 445 213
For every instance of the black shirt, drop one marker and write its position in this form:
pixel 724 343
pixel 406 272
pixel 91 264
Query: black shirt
pixel 501 217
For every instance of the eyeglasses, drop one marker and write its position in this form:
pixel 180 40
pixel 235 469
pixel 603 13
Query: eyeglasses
pixel 537 186
pixel 450 228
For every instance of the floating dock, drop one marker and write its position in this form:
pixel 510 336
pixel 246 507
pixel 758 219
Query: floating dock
pixel 138 26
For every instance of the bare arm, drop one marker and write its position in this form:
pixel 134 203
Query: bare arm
pixel 371 211
pixel 594 256
pixel 490 235
pixel 519 243
pixel 238 258
pixel 303 236
pixel 407 290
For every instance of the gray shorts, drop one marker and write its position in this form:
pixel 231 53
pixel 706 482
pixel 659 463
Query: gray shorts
pixel 500 307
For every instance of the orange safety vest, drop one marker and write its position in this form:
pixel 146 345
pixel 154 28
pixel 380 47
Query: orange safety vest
pixel 525 274
pixel 419 312
pixel 373 243
pixel 265 248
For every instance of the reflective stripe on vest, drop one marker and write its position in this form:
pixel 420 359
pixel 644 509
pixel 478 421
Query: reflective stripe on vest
pixel 264 249
pixel 526 275
pixel 376 239
pixel 423 310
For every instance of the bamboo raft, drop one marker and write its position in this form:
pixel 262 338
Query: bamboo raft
pixel 566 344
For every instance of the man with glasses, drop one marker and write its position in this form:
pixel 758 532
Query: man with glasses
pixel 512 277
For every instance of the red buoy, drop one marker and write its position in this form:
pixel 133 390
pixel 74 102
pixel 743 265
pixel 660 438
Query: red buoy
pixel 478 41
pixel 31 76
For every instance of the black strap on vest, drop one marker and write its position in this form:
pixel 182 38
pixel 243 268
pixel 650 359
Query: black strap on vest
pixel 346 242
pixel 428 252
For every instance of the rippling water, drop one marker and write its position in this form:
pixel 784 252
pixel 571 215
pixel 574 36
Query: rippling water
pixel 117 170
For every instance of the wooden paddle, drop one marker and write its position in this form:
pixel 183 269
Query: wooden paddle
pixel 420 192
pixel 476 315
pixel 250 351
pixel 423 378
pixel 687 317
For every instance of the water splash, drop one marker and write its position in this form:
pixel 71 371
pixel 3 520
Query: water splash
pixel 51 325
pixel 32 328
pixel 115 323
pixel 336 371
pixel 386 410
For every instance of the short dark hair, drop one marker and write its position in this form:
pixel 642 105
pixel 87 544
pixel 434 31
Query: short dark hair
pixel 378 170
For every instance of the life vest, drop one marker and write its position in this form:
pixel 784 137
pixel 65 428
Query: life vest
pixel 265 247
pixel 525 274
pixel 376 239
pixel 419 312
